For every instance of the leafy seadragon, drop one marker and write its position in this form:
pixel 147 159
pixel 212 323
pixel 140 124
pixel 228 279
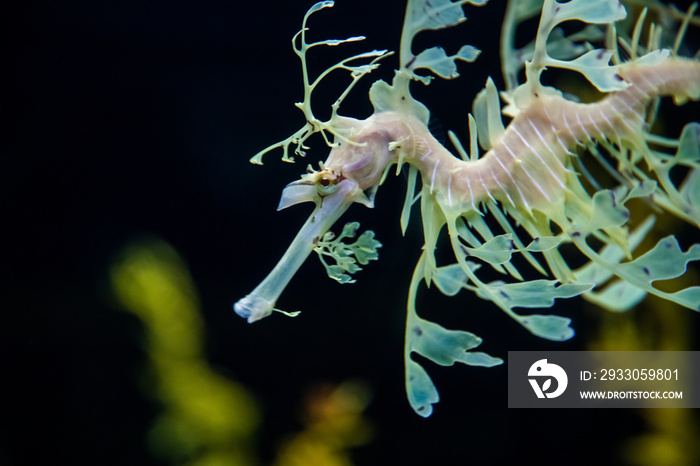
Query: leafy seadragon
pixel 530 182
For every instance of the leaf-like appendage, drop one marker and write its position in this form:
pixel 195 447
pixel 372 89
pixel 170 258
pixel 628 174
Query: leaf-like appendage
pixel 389 98
pixel 364 249
pixel 643 189
pixel 588 11
pixel 608 211
pixel 433 14
pixel 665 261
pixel 534 293
pixel 593 64
pixel 317 6
pixel 689 144
pixel 450 279
pixel 497 250
pixel 550 327
pixel 436 60
pixel 443 347
pixel 487 112
pixel 421 391
pixel 545 243
pixel 422 15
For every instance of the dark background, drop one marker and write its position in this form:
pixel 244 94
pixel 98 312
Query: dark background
pixel 129 118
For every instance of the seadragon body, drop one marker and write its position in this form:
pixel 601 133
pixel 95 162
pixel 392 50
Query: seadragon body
pixel 530 175
pixel 529 164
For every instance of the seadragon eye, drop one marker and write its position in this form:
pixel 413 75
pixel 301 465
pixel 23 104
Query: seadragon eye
pixel 327 184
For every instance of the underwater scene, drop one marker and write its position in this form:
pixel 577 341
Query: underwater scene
pixel 309 233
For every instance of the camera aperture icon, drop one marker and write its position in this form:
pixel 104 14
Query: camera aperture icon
pixel 543 372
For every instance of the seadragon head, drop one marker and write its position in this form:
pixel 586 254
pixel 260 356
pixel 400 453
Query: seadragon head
pixel 351 174
pixel 361 150
pixel 361 162
pixel 348 177
pixel 332 194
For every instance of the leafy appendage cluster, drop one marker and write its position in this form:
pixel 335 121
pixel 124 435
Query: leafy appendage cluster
pixel 593 64
pixel 558 45
pixel 437 344
pixel 347 255
pixel 634 279
pixel 442 346
pixel 423 15
pixel 313 125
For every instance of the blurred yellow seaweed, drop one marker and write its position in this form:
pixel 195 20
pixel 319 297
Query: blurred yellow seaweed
pixel 207 419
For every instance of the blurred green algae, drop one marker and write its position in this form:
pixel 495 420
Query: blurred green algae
pixel 207 419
